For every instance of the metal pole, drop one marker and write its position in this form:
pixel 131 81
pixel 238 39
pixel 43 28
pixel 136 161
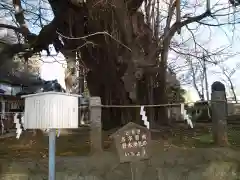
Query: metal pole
pixel 51 153
pixel 135 171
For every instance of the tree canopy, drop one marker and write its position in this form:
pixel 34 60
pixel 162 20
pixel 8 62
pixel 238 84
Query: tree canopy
pixel 124 45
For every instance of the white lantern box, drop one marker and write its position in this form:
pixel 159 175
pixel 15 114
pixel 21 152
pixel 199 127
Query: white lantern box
pixel 51 110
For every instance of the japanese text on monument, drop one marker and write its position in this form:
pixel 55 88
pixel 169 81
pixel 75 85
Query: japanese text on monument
pixel 134 142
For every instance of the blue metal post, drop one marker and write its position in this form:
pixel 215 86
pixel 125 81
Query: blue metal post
pixel 51 153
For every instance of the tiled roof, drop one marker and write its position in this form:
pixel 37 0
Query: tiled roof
pixel 20 78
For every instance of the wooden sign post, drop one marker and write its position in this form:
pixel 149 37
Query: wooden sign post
pixel 132 144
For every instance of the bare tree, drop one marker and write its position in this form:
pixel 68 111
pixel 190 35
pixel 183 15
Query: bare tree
pixel 187 43
pixel 11 62
pixel 197 77
pixel 228 74
pixel 195 70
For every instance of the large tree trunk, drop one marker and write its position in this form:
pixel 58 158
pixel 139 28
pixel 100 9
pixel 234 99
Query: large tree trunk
pixel 115 44
pixel 115 63
pixel 162 117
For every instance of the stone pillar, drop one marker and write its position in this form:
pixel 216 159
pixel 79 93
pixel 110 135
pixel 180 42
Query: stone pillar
pixel 95 124
pixel 2 116
pixel 219 114
pixel 3 107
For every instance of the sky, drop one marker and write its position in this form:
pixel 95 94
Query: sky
pixel 52 69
